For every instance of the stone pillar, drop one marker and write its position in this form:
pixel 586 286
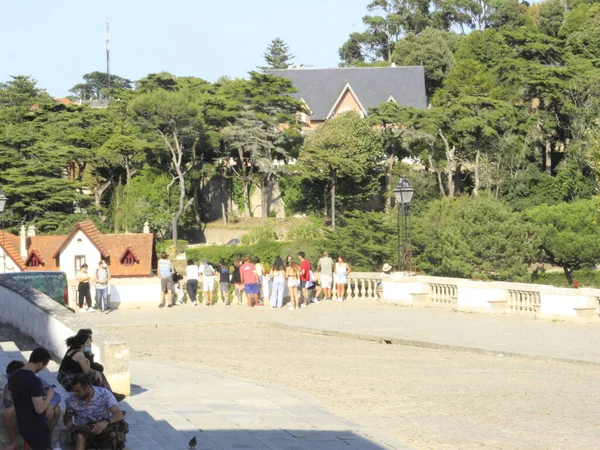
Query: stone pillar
pixel 146 227
pixel 31 231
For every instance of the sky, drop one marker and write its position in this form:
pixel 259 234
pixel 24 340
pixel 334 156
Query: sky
pixel 58 41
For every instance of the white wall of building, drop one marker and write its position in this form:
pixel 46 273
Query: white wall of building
pixel 79 245
pixel 7 264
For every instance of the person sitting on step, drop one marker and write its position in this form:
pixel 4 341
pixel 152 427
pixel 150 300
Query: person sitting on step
pixel 93 416
pixel 76 362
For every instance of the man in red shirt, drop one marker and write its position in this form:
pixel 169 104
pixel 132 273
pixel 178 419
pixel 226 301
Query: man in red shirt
pixel 304 277
pixel 250 280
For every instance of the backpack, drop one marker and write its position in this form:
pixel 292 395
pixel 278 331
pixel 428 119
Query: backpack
pixel 208 270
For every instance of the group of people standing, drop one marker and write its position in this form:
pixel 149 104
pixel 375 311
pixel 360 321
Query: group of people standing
pixel 101 277
pixel 247 280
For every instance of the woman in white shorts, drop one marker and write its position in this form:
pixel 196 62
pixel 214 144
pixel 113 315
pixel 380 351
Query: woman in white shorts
pixel 292 272
pixel 208 286
pixel 342 269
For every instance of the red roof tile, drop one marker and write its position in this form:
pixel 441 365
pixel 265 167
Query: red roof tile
pixel 93 234
pixel 46 247
pixel 11 244
pixel 141 246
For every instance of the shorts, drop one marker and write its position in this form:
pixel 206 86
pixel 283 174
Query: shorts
pixel 292 282
pixel 38 439
pixel 208 284
pixel 166 284
pixel 341 278
pixel 224 286
pixel 251 288
pixel 304 284
pixel 326 281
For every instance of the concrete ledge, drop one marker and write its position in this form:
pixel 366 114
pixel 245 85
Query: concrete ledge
pixel 49 324
pixel 585 312
pixel 498 306
pixel 420 299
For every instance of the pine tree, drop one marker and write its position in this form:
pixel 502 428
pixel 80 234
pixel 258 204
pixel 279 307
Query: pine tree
pixel 278 55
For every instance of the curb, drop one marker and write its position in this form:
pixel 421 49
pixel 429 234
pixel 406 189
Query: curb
pixel 431 345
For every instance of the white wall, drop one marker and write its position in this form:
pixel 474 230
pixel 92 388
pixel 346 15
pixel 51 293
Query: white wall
pixel 7 264
pixel 74 248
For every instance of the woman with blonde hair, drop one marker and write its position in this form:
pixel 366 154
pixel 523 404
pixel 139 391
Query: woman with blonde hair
pixel 292 273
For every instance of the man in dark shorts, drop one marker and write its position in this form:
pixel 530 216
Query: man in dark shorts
pixel 31 402
pixel 304 277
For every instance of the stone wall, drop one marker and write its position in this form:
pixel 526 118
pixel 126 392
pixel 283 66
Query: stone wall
pixel 49 324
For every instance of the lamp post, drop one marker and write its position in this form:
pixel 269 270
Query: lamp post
pixel 404 193
pixel 3 200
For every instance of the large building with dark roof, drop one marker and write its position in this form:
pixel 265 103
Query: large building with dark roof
pixel 329 92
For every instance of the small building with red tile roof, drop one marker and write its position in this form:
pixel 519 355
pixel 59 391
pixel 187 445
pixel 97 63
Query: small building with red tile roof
pixel 127 255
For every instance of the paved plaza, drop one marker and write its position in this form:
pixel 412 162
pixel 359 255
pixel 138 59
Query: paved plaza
pixel 324 378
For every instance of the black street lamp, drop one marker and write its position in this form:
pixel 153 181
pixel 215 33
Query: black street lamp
pixel 404 193
pixel 3 201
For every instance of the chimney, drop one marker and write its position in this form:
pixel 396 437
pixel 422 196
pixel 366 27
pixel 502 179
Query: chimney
pixel 23 240
pixel 31 231
pixel 146 227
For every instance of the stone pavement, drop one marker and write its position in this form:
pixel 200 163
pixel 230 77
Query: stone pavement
pixel 426 327
pixel 169 405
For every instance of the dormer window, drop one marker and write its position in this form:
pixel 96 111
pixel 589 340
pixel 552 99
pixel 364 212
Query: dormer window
pixel 129 258
pixel 33 261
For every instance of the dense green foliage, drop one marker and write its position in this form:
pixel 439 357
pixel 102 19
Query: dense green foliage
pixel 505 160
pixel 477 238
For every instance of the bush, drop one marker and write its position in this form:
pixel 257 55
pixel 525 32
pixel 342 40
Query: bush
pixel 585 278
pixel 480 238
pixel 162 246
pixel 366 239
pixel 311 229
pixel 266 251
pixel 260 233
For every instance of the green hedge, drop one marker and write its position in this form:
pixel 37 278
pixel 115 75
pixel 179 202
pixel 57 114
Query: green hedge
pixel 266 251
pixel 162 246
pixel 585 278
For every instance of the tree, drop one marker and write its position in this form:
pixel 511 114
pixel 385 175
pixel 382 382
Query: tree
pixel 474 238
pixel 430 49
pixel 569 234
pixel 344 150
pixel 278 55
pixel 392 19
pixel 176 120
pixel 95 86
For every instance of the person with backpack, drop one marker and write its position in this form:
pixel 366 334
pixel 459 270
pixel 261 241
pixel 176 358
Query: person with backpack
pixel 224 282
pixel 102 278
pixel 209 282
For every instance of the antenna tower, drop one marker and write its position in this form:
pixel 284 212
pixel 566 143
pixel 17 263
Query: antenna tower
pixel 107 36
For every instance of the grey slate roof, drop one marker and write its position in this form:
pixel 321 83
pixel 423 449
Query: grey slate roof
pixel 320 88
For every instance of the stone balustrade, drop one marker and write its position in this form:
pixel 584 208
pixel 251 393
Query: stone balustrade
pixel 537 301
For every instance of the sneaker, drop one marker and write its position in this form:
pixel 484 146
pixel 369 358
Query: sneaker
pixel 315 300
pixel 227 303
pixel 107 311
pixel 303 305
pixel 291 307
pixel 170 305
pixel 91 310
pixel 81 310
pixel 178 302
pixel 119 397
pixel 195 303
pixel 161 305
pixel 340 300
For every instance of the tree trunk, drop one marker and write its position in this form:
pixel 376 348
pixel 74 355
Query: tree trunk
pixel 450 152
pixel 99 190
pixel 438 175
pixel 548 157
pixel 246 187
pixel 389 167
pixel 333 183
pixel 325 195
pixel 265 204
pixel 127 171
pixel 476 173
pixel 569 275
